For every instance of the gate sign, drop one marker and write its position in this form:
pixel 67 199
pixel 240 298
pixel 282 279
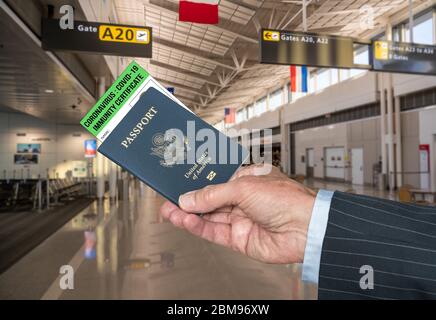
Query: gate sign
pixel 94 37
pixel 404 57
pixel 315 50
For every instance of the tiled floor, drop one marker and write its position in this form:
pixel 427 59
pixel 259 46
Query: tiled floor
pixel 359 189
pixel 125 251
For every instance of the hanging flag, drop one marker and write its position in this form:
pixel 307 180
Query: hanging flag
pixel 298 78
pixel 229 115
pixel 90 148
pixel 199 11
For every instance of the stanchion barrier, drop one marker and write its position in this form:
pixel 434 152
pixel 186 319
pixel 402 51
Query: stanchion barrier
pixel 47 189
pixel 37 194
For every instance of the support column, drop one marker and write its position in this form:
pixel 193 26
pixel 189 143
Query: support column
pixel 398 142
pixel 284 143
pixel 411 22
pixel 390 120
pixel 383 124
pixel 100 157
pixel 285 95
pixel 112 181
pixel 390 136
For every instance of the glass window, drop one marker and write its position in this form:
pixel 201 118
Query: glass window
pixel 396 34
pixel 423 30
pixel 312 82
pixel 250 111
pixel 361 55
pixel 323 80
pixel 275 99
pixel 241 115
pixel 356 72
pixel 335 76
pixel 260 106
pixel 344 74
pixel 219 125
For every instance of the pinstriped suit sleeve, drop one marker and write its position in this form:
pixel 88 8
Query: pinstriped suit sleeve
pixel 396 240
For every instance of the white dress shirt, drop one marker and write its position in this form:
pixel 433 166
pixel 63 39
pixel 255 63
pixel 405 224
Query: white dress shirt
pixel 315 236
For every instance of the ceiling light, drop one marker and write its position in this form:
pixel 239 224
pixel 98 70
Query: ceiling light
pixel 48 91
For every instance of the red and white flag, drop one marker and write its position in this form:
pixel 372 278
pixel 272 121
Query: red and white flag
pixel 199 11
pixel 229 115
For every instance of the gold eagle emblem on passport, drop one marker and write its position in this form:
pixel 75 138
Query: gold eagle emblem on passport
pixel 170 147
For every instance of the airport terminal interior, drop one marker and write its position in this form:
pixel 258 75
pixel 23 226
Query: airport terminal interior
pixel 355 126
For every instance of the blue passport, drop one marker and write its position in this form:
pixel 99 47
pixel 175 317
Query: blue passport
pixel 171 149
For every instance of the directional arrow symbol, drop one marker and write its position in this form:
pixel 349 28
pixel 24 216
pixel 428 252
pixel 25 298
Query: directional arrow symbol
pixel 271 35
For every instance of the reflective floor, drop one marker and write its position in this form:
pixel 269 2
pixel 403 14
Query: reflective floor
pixel 347 187
pixel 125 251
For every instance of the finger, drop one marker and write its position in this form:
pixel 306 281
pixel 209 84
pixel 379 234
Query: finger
pixel 221 217
pixel 176 217
pixel 219 233
pixel 173 214
pixel 166 209
pixel 211 198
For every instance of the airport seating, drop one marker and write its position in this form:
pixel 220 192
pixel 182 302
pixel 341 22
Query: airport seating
pixel 299 178
pixel 6 193
pixel 16 193
pixel 404 194
pixel 26 194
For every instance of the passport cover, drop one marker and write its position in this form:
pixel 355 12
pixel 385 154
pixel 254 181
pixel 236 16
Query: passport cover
pixel 139 149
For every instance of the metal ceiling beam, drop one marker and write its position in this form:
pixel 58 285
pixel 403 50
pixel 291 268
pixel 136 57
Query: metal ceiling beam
pixel 211 58
pixel 262 77
pixel 245 95
pixel 271 18
pixel 172 9
pixel 295 16
pixel 218 109
pixel 246 5
pixel 183 72
pixel 186 98
pixel 227 78
pixel 181 86
pixel 32 37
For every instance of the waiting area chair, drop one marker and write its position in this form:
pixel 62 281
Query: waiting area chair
pixel 406 196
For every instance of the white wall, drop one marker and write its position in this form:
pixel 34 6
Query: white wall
pixel 269 119
pixel 347 94
pixel 405 83
pixel 58 145
pixel 427 135
pixel 318 139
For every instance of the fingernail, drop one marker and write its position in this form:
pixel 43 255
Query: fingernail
pixel 187 200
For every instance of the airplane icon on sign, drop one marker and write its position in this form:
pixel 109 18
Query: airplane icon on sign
pixel 271 35
pixel 142 35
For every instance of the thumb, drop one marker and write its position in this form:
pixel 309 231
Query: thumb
pixel 210 198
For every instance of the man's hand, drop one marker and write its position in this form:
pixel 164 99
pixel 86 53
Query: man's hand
pixel 265 217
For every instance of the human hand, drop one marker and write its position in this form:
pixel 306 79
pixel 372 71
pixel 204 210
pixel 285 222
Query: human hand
pixel 265 217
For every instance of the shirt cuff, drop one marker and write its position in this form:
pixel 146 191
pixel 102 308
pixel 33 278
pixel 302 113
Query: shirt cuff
pixel 315 236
